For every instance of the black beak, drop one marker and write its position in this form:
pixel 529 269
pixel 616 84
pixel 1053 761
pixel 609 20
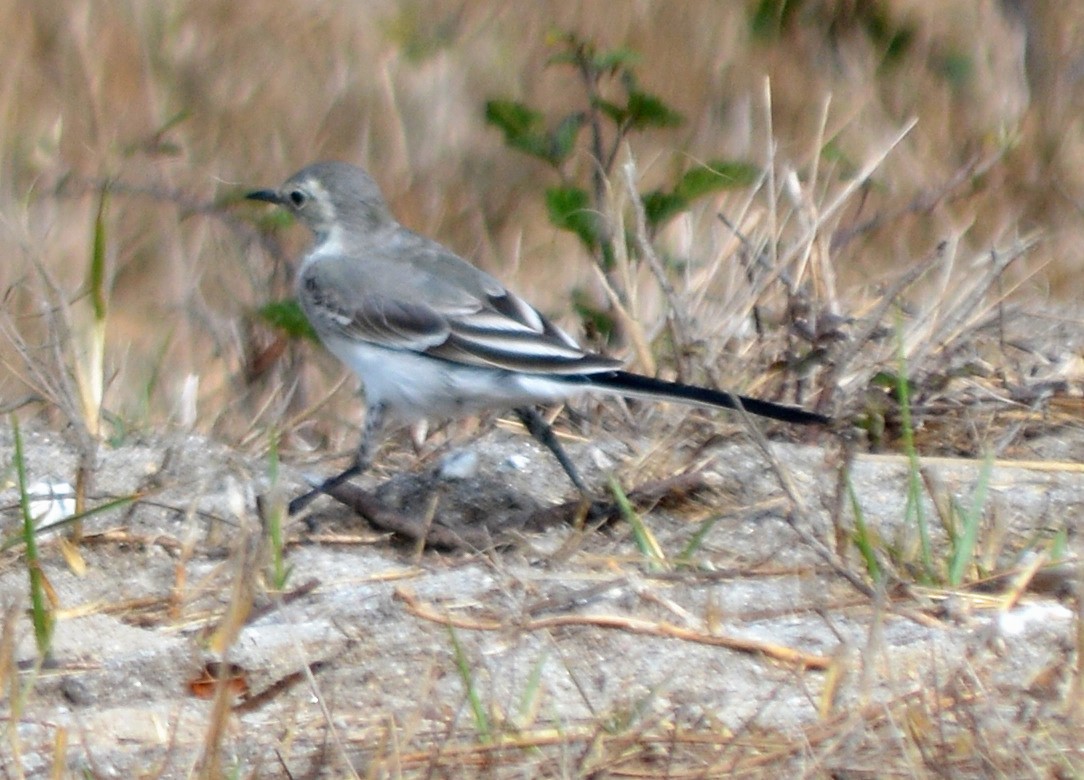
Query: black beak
pixel 268 196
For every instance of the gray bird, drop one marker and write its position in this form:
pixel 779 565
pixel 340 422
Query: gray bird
pixel 433 337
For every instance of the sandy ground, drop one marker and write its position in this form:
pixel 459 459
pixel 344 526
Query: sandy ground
pixel 570 633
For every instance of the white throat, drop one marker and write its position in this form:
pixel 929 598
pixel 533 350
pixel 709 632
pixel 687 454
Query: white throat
pixel 332 244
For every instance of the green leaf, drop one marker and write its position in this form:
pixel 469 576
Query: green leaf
pixel 569 209
pixel 562 58
pixel 615 58
pixel 615 112
pixel 270 220
pixel 716 175
pixel 287 315
pixel 956 67
pixel 844 165
pixel 771 17
pixel 514 118
pixel 96 270
pixel 563 139
pixel 582 54
pixel 833 152
pixel 893 37
pixel 572 48
pixel 539 146
pixel 647 110
pixel 597 323
pixel 524 129
pixel 660 206
pixel 899 45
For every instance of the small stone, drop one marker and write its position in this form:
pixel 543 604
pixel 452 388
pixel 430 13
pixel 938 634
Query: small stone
pixel 518 462
pixel 76 692
pixel 460 464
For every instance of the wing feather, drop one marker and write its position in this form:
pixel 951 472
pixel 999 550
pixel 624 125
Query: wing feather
pixel 483 329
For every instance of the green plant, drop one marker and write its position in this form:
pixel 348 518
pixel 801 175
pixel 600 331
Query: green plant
pixel 960 523
pixel 90 370
pixel 466 674
pixel 40 610
pixel 531 697
pixel 645 540
pixel 281 314
pixel 962 543
pixel 914 511
pixel 893 37
pixel 286 315
pixel 685 558
pixel 614 107
pixel 65 365
pixel 862 536
pixel 15 540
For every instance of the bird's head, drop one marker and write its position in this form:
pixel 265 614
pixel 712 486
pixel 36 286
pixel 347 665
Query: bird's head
pixel 332 199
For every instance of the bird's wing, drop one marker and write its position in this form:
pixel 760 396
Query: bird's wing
pixel 473 321
pixel 340 310
pixel 504 331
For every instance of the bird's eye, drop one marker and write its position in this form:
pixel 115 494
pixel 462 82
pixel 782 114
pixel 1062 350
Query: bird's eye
pixel 298 198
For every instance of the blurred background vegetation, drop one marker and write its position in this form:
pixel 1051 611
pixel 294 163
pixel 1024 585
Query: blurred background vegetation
pixel 181 106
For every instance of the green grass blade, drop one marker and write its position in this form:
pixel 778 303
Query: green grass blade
pixel 1059 544
pixel 913 508
pixel 641 534
pixel 964 549
pixel 528 701
pixel 96 272
pixel 116 503
pixel 90 370
pixel 863 540
pixel 698 539
pixel 478 710
pixel 42 617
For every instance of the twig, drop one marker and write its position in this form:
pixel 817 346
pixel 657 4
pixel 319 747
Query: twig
pixel 630 624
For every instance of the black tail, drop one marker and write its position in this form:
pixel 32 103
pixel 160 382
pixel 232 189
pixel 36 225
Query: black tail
pixel 635 385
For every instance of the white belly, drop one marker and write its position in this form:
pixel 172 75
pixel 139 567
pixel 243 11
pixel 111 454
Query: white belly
pixel 413 386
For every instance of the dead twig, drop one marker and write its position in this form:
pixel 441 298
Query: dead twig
pixel 632 625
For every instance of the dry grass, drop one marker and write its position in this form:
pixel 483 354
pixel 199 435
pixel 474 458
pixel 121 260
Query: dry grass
pixel 183 104
pixel 957 222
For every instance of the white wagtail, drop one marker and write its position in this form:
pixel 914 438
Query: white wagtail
pixel 433 337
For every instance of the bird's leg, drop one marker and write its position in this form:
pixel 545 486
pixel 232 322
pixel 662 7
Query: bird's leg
pixel 370 435
pixel 542 431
